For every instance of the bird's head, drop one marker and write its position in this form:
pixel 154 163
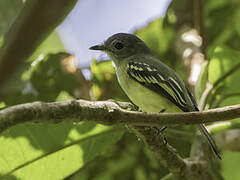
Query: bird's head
pixel 122 45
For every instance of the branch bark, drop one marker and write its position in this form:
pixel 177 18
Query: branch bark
pixel 188 169
pixel 106 112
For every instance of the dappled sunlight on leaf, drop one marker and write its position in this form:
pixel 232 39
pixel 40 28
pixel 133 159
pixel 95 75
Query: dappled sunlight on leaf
pixel 44 146
pixel 49 77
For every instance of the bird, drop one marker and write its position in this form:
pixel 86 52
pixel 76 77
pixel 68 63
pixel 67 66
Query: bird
pixel 148 82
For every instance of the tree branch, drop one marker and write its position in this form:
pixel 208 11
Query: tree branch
pixel 167 155
pixel 112 113
pixel 106 112
pixel 188 169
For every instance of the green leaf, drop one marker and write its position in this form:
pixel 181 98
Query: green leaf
pixel 237 22
pixel 230 165
pixel 47 151
pixel 212 5
pixel 219 23
pixel 8 12
pixel 157 37
pixel 123 162
pixel 225 62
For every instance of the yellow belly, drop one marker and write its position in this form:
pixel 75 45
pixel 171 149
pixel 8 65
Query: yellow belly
pixel 146 99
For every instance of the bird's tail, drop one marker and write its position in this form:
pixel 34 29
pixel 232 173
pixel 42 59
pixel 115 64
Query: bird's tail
pixel 210 140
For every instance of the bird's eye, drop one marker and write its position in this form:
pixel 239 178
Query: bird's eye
pixel 119 45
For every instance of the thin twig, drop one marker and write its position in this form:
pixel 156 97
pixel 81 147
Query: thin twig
pixel 230 72
pixel 218 102
pixel 203 99
pixel 211 87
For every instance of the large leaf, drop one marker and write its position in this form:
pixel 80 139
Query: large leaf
pixel 129 160
pixel 52 151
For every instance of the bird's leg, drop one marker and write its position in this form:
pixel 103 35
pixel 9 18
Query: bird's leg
pixel 165 140
pixel 158 131
pixel 162 111
pixel 162 128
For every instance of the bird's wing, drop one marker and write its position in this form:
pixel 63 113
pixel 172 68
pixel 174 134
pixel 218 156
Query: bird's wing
pixel 153 79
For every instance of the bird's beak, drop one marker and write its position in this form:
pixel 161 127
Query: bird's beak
pixel 100 47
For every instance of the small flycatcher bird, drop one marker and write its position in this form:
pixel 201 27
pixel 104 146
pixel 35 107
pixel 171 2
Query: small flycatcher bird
pixel 149 83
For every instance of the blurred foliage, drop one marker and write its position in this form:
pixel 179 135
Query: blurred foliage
pixel 52 151
pixel 9 10
pixel 28 31
pixel 104 82
pixel 226 92
pixel 52 44
pixel 42 81
pixel 158 38
pixel 221 20
pixel 129 159
pixel 202 81
pixel 47 77
pixel 231 165
pixel 159 35
pixel 90 151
